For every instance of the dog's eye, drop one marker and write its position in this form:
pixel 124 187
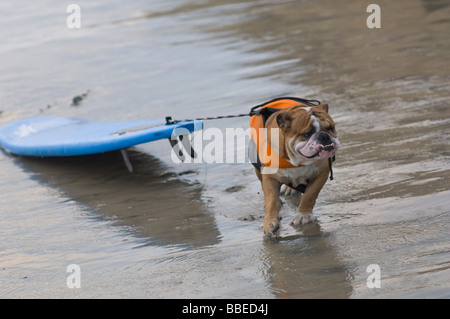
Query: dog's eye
pixel 308 134
pixel 331 128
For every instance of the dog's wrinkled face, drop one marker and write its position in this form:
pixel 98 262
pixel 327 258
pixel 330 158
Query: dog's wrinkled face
pixel 309 133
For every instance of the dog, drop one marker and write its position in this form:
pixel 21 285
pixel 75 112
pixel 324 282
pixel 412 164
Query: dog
pixel 306 140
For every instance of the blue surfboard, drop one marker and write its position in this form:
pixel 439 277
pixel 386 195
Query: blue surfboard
pixel 48 136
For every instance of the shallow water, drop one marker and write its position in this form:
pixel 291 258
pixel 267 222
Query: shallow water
pixel 194 230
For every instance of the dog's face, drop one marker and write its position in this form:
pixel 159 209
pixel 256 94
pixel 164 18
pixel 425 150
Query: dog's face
pixel 309 133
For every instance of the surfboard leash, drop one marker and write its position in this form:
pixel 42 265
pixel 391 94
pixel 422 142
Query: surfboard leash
pixel 170 120
pixel 253 111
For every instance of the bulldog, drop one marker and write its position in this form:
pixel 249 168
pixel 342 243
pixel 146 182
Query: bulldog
pixel 307 140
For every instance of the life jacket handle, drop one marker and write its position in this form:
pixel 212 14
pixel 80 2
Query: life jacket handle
pixel 254 110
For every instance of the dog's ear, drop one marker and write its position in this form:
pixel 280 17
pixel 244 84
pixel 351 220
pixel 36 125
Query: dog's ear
pixel 283 120
pixel 323 107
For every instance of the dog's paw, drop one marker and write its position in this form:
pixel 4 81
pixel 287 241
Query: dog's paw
pixel 271 226
pixel 303 219
pixel 288 191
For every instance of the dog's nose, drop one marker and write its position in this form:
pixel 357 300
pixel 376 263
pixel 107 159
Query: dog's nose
pixel 324 138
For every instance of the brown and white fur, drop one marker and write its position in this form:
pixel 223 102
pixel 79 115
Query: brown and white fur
pixel 307 137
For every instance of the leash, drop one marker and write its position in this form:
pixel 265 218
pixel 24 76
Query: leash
pixel 253 111
pixel 169 119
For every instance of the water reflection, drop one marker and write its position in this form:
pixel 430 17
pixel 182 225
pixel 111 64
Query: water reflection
pixel 307 266
pixel 156 203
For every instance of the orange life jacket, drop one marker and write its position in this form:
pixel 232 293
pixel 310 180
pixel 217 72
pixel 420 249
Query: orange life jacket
pixel 260 152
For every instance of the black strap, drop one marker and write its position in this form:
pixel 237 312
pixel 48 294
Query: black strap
pixel 254 110
pixel 330 165
pixel 300 188
pixel 266 113
pixel 331 168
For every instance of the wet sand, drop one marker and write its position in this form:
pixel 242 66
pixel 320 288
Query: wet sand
pixel 195 230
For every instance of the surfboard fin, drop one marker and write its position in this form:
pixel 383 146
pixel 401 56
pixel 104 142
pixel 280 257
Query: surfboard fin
pixel 126 159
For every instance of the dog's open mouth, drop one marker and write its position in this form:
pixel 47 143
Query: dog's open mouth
pixel 321 151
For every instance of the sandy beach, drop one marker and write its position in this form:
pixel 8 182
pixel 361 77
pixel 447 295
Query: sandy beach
pixel 194 230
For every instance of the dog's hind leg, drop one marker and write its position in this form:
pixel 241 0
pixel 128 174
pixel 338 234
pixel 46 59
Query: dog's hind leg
pixel 290 194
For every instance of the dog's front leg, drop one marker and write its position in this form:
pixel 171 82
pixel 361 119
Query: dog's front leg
pixel 271 188
pixel 308 200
